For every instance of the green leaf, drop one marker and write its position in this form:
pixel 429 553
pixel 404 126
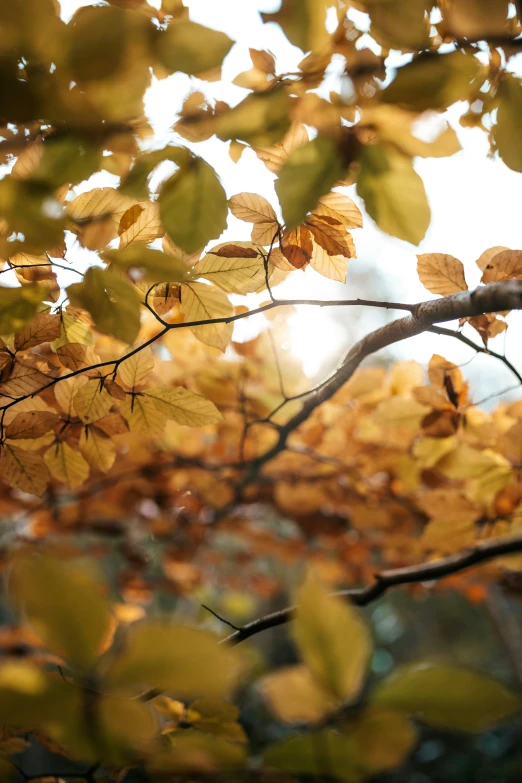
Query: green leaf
pixel 260 120
pixel 433 81
pixel 158 267
pixel 113 303
pixel 506 132
pixel 448 697
pixel 332 639
pixel 18 306
pixel 177 658
pixel 135 183
pixel 95 40
pixel 193 206
pixel 64 604
pixel 303 22
pixel 400 24
pixel 310 171
pixel 393 193
pixel 316 754
pixel 191 48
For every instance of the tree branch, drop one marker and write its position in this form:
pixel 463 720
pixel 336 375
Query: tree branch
pixel 425 572
pixel 478 348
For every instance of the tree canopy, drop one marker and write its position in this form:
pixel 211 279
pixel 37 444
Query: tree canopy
pixel 147 454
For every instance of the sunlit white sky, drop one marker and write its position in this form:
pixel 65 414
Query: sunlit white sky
pixel 474 200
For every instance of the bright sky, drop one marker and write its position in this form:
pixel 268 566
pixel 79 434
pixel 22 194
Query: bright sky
pixel 471 196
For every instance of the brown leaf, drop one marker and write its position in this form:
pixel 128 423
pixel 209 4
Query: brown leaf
pixel 234 251
pixel 506 265
pixel 441 273
pixel 24 470
pixel 129 218
pixel 31 424
pixel 75 356
pixel 43 328
pixel 488 255
pixel 252 208
pixel 329 237
pixel 297 246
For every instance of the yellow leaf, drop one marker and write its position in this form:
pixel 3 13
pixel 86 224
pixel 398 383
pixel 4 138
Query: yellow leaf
pixel 275 157
pixel 242 273
pixel 24 470
pixel 332 640
pixel 341 208
pixel 441 274
pixel 66 464
pixel 184 406
pixel 447 697
pixel 428 451
pixel 97 448
pixel 145 229
pixel 201 302
pixel 30 424
pixel 304 23
pixel 176 658
pixel 64 604
pixel 505 265
pixel 334 267
pixel 73 331
pixel 91 402
pixel 466 462
pixel 75 356
pixel 99 202
pixel 142 415
pixel 134 370
pixel 252 208
pixel 448 536
pixel 65 390
pixel 295 696
pixel 383 738
pixel 154 265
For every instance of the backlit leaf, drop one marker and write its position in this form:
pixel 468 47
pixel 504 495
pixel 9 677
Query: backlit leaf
pixel 18 306
pixel 145 229
pixel 300 755
pixel 66 464
pixel 112 303
pixel 252 208
pixel 505 132
pixel 191 48
pixel 233 274
pixel 201 302
pixel 310 171
pixel 260 120
pixel 155 265
pixel 193 205
pixel 43 328
pixel 97 448
pixel 134 370
pixel 506 265
pixel 91 401
pixel 143 416
pixel 31 424
pixel 393 193
pixel 441 274
pixel 184 406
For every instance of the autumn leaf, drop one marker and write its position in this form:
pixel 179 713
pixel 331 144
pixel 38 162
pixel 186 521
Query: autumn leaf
pixel 191 48
pixel 146 228
pixel 30 424
pixel 252 208
pixel 310 172
pixel 441 274
pixel 506 265
pixel 193 205
pixel 393 193
pixel 18 306
pixel 184 406
pixel 201 302
pixel 66 464
pixel 332 640
pixel 142 415
pixel 98 448
pixel 44 328
pixel 91 402
pixel 24 470
pixel 136 368
pixel 295 696
pixel 241 272
pixel 64 604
